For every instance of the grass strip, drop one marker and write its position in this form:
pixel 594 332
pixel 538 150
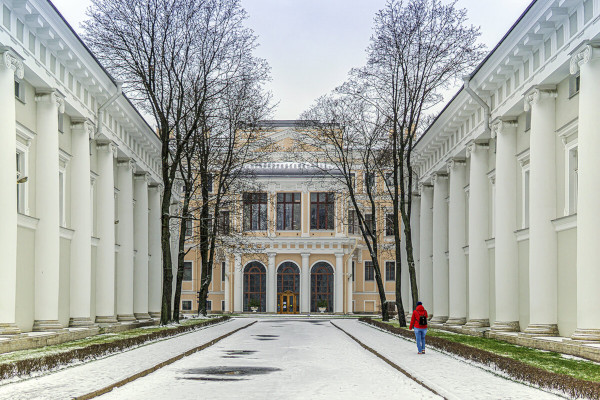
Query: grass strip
pixel 26 362
pixel 511 360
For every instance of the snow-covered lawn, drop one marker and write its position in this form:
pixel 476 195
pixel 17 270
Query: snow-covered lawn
pixel 82 379
pixel 278 358
pixel 452 377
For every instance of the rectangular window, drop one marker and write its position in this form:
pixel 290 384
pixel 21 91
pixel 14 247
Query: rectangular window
pixel 255 211
pixel 560 37
pixel 187 271
pixel 525 222
pixel 352 223
pixel 370 223
pixel 572 181
pixel 6 17
pixel 61 122
pixel 21 181
pixel 223 305
pixel 389 224
pixel 536 60
pixel 508 90
pixel 62 74
pixel 43 54
pixel 31 42
pixel 526 70
pixel 573 24
pixel 369 182
pixel 20 29
pixel 61 198
pixel 547 49
pixel 189 226
pixel 53 64
pixel 528 120
pixel 588 11
pixel 353 180
pixel 389 180
pixel 209 182
pixel 223 222
pixel 223 268
pixel 208 305
pixel 20 91
pixel 390 271
pixel 288 211
pixel 353 269
pixel 322 211
pixel 186 305
pixel 517 81
pixel 369 271
pixel 574 84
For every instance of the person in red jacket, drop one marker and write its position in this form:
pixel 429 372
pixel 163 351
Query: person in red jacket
pixel 418 321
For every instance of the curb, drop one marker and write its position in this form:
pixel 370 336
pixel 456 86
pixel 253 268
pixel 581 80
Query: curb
pixel 148 371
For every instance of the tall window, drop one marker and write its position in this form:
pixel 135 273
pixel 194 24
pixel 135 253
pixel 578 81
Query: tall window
pixel 255 211
pixel 370 222
pixel 209 180
pixel 288 211
pixel 223 222
pixel 186 305
pixel 187 270
pixel 525 221
pixel 389 179
pixel 571 207
pixel 321 286
pixel 61 198
pixel 189 226
pixel 352 223
pixel 223 268
pixel 255 285
pixel 322 211
pixel 353 268
pixel 21 182
pixel 370 181
pixel 369 271
pixel 389 224
pixel 390 271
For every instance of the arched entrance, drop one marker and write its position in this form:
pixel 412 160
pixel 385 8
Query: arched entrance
pixel 288 288
pixel 321 286
pixel 255 285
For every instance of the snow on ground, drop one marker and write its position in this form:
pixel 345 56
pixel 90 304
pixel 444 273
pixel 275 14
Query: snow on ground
pixel 82 379
pixel 453 377
pixel 277 358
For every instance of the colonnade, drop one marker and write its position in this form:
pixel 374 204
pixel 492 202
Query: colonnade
pixel 137 273
pixel 444 228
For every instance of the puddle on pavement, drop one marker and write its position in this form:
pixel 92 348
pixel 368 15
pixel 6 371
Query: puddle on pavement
pixel 227 372
pixel 267 336
pixel 201 378
pixel 237 353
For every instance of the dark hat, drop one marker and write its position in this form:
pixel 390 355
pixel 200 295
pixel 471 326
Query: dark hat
pixel 419 303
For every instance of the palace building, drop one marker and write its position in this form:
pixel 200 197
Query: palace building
pixel 80 234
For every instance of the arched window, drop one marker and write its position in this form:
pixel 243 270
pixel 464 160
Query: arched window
pixel 255 285
pixel 288 278
pixel 321 278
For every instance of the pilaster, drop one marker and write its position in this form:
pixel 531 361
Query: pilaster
pixel 305 284
pixel 338 306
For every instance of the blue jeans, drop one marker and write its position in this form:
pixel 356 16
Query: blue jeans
pixel 420 335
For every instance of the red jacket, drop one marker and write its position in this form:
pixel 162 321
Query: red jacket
pixel 414 320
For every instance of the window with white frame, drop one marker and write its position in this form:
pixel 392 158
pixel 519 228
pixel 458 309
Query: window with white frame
pixel 62 215
pixel 21 159
pixel 492 178
pixel 525 196
pixel 208 305
pixel 571 177
pixel 187 270
pixel 92 205
pixel 20 90
pixel 186 305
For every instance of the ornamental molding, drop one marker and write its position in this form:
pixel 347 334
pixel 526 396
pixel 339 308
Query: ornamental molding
pixel 12 60
pixel 501 126
pixel 538 94
pixel 51 96
pixel 107 147
pixel 455 164
pixel 83 125
pixel 474 147
pixel 584 55
pixel 438 177
pixel 423 186
pixel 142 176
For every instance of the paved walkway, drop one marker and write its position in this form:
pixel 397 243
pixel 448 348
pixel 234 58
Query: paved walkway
pixel 278 358
pixel 86 378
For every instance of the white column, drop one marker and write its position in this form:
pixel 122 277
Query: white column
pixel 506 254
pixel 140 268
pixel 588 218
pixel 440 247
pixel 457 262
pixel 125 257
pixel 227 286
pixel 338 292
pixel 154 247
pixel 479 273
pixel 105 252
pixel 271 284
pixel 543 262
pixel 305 284
pixel 47 234
pixel 350 284
pixel 238 292
pixel 81 223
pixel 8 201
pixel 415 226
pixel 426 248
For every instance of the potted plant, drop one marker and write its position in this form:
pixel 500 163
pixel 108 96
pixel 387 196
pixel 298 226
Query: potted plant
pixel 254 304
pixel 322 305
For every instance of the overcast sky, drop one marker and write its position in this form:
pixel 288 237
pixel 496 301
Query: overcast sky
pixel 312 44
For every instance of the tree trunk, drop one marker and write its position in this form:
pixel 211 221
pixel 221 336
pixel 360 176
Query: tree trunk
pixel 165 240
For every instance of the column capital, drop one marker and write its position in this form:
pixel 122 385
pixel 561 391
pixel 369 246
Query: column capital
pixel 455 164
pixel 305 255
pixel 473 147
pixel 536 94
pixel 82 125
pixel 128 163
pixel 423 186
pixel 271 255
pixel 51 96
pixel 109 147
pixel 500 126
pixel 339 255
pixel 12 60
pixel 438 176
pixel 583 55
pixel 143 176
pixel 157 186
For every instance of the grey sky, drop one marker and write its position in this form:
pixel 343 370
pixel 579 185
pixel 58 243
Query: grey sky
pixel 312 44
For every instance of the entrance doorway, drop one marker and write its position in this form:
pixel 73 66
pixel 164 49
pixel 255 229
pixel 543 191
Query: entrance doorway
pixel 287 303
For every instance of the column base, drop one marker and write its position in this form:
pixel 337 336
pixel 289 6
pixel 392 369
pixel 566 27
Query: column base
pixel 9 329
pixel 47 326
pixel 504 326
pixel 80 322
pixel 541 330
pixel 477 323
pixel 126 318
pixel 456 321
pixel 438 319
pixel 589 335
pixel 108 319
pixel 154 314
pixel 142 316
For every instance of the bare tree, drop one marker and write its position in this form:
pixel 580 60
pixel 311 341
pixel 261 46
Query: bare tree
pixel 418 49
pixel 348 136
